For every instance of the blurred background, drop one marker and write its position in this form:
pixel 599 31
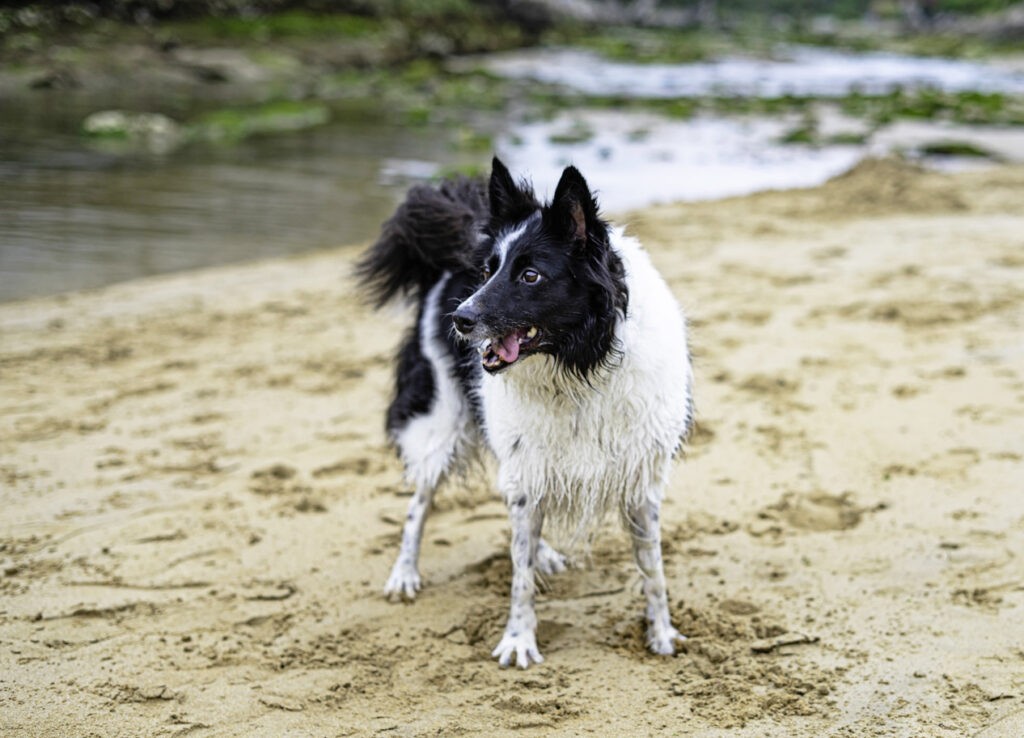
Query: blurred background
pixel 139 137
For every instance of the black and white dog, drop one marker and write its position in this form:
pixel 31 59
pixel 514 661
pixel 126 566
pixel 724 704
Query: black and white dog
pixel 547 335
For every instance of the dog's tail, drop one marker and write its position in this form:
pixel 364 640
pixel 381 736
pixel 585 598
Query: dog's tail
pixel 433 231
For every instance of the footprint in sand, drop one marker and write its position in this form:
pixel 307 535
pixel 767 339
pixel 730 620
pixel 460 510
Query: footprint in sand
pixel 815 511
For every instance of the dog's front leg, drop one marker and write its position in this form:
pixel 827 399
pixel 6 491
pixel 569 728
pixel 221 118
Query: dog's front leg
pixel 520 638
pixel 644 526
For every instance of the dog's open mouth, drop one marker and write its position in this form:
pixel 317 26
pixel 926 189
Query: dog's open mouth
pixel 498 353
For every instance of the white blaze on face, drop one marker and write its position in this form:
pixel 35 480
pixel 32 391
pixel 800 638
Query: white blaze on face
pixel 501 246
pixel 506 240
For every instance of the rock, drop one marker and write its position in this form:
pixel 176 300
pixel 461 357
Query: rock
pixel 54 79
pixel 152 130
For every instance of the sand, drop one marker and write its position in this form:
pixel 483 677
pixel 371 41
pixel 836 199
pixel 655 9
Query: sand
pixel 199 508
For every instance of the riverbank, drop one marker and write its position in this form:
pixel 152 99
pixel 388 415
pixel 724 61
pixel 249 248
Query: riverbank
pixel 200 508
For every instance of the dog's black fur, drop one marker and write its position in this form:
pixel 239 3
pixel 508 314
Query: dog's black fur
pixel 582 291
pixel 497 277
pixel 432 231
pixel 453 228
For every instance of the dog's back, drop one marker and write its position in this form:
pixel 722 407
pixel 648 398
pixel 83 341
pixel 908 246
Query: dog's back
pixel 426 253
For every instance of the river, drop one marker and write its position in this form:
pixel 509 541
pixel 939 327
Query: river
pixel 77 214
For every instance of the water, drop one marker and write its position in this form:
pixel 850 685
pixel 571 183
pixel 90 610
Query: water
pixel 75 215
pixel 637 159
pixel 805 72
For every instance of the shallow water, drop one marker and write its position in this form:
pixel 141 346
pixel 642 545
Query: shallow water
pixel 800 71
pixel 75 214
pixel 637 159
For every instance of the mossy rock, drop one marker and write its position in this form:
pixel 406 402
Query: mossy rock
pixel 151 131
pixel 291 25
pixel 235 124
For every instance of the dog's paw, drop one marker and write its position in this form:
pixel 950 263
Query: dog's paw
pixel 404 582
pixel 521 645
pixel 550 561
pixel 662 639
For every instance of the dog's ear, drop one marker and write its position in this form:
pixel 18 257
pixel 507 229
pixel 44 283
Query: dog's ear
pixel 509 201
pixel 573 212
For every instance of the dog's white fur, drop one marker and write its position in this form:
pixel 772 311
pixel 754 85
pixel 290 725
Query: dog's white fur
pixel 567 449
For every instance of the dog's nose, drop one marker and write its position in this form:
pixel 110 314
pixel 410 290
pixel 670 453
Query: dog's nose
pixel 465 319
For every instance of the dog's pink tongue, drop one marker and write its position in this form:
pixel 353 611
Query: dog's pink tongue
pixel 508 348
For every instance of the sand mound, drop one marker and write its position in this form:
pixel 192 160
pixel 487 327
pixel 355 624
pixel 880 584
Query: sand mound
pixel 890 185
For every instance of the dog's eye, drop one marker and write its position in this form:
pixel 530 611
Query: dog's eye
pixel 530 276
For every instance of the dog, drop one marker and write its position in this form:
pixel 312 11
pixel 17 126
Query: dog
pixel 545 335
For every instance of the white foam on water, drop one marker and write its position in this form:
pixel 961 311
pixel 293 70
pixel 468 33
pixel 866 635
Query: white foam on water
pixel 636 159
pixel 801 71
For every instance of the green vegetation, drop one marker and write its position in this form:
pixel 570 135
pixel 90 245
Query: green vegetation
pixel 282 26
pixel 859 38
pixel 472 141
pixel 409 29
pixel 577 132
pixel 469 103
pixel 845 139
pixel 464 170
pixel 805 133
pixel 991 108
pixel 235 124
pixel 956 148
pixel 643 45
pixel 841 8
pixel 422 92
pixel 388 61
pixel 976 6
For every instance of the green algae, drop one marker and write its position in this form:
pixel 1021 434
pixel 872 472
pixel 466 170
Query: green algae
pixel 235 124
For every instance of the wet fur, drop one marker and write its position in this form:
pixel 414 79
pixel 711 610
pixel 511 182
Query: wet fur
pixel 586 421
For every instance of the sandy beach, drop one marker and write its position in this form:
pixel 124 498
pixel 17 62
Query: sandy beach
pixel 199 507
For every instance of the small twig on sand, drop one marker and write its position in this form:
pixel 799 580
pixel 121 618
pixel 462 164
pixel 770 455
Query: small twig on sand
pixel 786 639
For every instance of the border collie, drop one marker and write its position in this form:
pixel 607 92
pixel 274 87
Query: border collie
pixel 547 336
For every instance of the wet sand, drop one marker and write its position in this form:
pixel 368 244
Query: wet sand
pixel 200 509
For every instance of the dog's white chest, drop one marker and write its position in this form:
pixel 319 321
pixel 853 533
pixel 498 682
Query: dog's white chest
pixel 602 442
pixel 585 448
pixel 542 425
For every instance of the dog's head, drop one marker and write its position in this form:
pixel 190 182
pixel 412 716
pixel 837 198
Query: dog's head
pixel 551 282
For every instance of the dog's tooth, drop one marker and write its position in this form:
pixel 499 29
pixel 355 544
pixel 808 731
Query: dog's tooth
pixel 532 333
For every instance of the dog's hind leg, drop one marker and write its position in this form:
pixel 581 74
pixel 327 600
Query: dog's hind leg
pixel 431 425
pixel 430 446
pixel 642 519
pixel 405 576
